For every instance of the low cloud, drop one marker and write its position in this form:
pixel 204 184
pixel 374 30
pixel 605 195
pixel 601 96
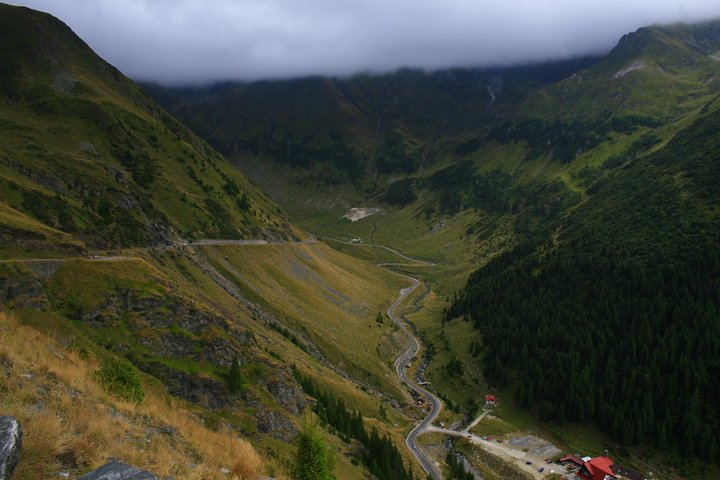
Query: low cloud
pixel 200 41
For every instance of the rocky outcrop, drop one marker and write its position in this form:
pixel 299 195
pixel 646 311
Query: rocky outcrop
pixel 159 311
pixel 288 395
pixel 43 269
pixel 276 425
pixel 20 289
pixel 201 390
pixel 220 351
pixel 116 470
pixel 11 434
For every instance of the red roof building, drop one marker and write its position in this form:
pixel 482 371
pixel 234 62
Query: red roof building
pixel 490 399
pixel 599 468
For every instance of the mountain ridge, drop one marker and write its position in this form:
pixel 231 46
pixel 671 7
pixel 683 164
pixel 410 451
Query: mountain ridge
pixel 120 170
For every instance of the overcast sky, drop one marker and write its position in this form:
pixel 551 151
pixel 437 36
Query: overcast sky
pixel 197 41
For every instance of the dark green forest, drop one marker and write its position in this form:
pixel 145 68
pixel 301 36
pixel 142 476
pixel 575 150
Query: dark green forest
pixel 618 323
pixel 379 454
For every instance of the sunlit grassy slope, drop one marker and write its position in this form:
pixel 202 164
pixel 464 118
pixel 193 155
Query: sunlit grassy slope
pixel 309 288
pixel 70 423
pixel 332 297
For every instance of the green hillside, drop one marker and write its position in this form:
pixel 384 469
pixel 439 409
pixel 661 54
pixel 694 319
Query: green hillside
pixel 84 152
pixel 177 347
pixel 352 135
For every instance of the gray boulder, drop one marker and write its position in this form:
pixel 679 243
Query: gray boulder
pixel 116 470
pixel 11 434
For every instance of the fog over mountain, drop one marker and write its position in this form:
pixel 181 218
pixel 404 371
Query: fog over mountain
pixel 194 41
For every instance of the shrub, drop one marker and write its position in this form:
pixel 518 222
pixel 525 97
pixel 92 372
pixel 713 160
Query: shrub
pixel 121 378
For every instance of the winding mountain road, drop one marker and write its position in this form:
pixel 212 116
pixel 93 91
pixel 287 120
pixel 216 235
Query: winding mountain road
pixel 406 357
pixel 521 459
pixel 401 364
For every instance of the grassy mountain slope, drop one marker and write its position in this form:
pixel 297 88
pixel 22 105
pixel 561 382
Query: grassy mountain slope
pixel 85 152
pixel 168 314
pixel 74 423
pixel 100 190
pixel 330 299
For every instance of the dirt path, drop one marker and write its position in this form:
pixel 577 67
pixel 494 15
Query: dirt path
pixel 476 421
pixel 524 461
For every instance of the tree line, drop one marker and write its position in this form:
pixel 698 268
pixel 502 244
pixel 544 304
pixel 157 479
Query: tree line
pixel 379 453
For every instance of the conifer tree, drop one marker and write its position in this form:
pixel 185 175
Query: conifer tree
pixel 235 380
pixel 313 460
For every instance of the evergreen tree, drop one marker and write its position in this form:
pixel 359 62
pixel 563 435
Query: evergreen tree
pixel 313 460
pixel 381 457
pixel 235 380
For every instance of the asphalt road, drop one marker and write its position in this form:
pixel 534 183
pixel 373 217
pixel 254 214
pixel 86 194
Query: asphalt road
pixel 401 364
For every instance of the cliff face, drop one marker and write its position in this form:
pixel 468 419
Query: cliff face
pixel 19 288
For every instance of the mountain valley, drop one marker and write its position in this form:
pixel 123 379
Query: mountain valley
pixel 181 290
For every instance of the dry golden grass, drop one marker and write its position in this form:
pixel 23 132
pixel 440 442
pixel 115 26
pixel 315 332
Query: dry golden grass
pixel 72 424
pixel 332 297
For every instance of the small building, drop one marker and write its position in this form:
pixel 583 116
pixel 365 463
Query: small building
pixel 490 400
pixel 598 468
pixel 602 468
pixel 571 461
